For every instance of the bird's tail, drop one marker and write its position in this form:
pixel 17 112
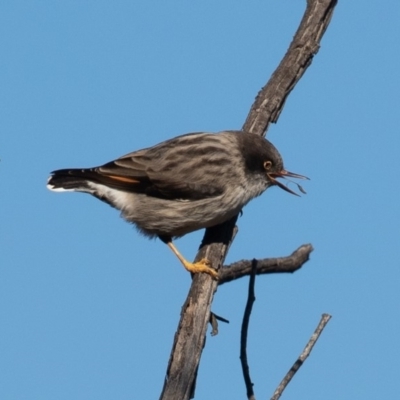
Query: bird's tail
pixel 76 180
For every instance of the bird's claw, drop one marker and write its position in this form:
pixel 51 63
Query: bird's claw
pixel 203 265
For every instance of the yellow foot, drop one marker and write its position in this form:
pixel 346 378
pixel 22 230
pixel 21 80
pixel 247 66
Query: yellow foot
pixel 201 266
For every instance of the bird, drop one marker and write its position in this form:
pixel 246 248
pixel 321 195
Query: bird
pixel 190 182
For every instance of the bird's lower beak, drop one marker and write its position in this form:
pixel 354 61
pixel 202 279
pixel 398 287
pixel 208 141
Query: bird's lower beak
pixel 286 174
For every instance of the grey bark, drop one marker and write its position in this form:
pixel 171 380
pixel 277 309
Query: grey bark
pixel 190 336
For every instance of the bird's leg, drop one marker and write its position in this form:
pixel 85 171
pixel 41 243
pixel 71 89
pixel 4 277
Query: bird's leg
pixel 201 266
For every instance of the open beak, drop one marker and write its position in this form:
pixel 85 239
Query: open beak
pixel 286 174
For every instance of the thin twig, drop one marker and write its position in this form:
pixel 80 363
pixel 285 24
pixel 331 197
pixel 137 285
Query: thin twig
pixel 214 318
pixel 243 334
pixel 306 352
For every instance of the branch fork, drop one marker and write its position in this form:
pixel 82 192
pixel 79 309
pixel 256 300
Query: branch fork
pixel 190 337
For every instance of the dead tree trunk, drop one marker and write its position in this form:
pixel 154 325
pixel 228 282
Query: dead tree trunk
pixel 195 315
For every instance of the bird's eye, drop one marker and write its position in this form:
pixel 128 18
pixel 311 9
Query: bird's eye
pixel 267 165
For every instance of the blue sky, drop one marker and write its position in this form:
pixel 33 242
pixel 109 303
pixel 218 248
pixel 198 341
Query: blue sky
pixel 88 308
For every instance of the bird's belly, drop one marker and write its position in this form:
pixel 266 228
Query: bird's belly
pixel 176 218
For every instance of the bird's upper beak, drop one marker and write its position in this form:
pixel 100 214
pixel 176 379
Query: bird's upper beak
pixel 286 174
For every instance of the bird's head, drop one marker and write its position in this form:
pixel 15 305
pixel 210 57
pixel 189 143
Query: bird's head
pixel 263 160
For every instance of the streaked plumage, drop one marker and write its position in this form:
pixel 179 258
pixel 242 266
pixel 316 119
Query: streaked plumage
pixel 181 185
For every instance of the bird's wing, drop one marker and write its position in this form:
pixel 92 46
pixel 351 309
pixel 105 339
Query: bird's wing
pixel 163 171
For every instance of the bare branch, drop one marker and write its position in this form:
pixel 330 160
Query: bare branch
pixel 287 264
pixel 243 334
pixel 306 42
pixel 306 352
pixel 190 336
